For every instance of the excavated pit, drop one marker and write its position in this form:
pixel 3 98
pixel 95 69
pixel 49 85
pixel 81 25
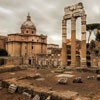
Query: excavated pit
pixel 44 82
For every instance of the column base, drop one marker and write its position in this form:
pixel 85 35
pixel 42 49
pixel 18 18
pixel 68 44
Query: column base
pixel 83 62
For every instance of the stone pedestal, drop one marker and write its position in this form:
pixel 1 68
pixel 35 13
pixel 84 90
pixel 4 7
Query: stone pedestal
pixel 64 47
pixel 73 42
pixel 83 42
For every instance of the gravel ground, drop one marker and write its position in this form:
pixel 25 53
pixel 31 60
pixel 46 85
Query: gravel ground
pixel 87 88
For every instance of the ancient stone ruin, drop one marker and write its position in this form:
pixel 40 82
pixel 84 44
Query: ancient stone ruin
pixel 44 79
pixel 72 13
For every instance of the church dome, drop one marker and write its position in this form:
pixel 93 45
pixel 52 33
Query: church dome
pixel 28 26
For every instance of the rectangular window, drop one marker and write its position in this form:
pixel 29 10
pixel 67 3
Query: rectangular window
pixel 32 47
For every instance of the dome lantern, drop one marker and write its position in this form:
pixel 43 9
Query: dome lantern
pixel 28 27
pixel 28 17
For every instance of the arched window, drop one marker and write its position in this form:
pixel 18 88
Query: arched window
pixel 26 31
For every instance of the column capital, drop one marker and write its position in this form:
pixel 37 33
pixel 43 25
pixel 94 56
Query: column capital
pixel 83 20
pixel 73 18
pixel 64 21
pixel 84 17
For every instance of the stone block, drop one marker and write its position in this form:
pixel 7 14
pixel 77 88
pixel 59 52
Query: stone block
pixel 90 77
pixel 63 81
pixel 37 75
pixel 36 97
pixel 69 95
pixel 77 80
pixel 26 95
pixel 12 88
pixel 98 77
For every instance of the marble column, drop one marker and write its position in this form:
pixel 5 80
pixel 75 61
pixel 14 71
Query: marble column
pixel 64 46
pixel 73 42
pixel 83 41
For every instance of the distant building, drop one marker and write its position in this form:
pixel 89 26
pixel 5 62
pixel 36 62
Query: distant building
pixel 52 58
pixel 52 47
pixel 3 40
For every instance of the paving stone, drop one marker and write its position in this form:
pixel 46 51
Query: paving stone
pixel 26 95
pixel 69 95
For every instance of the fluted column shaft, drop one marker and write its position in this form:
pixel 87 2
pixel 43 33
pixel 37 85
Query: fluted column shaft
pixel 73 42
pixel 83 41
pixel 64 46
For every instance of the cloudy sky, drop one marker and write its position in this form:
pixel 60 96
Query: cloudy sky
pixel 46 15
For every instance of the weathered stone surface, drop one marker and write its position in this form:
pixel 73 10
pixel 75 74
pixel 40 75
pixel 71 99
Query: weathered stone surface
pixel 76 9
pixel 98 77
pixel 82 98
pixel 12 88
pixel 11 69
pixel 90 77
pixel 48 98
pixel 33 76
pixel 37 75
pixel 69 95
pixel 59 70
pixel 77 80
pixel 37 97
pixel 63 81
pixel 26 95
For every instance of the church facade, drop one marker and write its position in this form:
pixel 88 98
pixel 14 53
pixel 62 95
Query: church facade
pixel 25 46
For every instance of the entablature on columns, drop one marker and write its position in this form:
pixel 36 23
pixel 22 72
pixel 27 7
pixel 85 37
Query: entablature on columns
pixel 76 11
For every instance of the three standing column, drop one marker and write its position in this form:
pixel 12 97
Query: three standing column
pixel 73 42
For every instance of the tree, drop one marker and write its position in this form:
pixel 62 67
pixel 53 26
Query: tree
pixel 92 45
pixel 3 52
pixel 91 28
pixel 98 37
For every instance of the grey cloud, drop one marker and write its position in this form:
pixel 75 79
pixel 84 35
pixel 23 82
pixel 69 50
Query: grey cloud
pixel 46 15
